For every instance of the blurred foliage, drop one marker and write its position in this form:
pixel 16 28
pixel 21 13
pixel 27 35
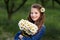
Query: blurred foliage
pixel 9 29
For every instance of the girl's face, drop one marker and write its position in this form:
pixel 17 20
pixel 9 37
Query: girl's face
pixel 35 14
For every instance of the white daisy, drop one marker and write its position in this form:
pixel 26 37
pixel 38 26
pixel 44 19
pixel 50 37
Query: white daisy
pixel 42 9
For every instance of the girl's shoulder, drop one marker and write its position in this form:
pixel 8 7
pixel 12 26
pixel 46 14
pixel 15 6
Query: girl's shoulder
pixel 43 28
pixel 19 32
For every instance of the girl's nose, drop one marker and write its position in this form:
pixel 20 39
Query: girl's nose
pixel 34 14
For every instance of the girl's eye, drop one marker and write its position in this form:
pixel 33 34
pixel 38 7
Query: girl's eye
pixel 35 12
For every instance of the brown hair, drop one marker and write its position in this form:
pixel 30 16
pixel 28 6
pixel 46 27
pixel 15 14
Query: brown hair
pixel 40 21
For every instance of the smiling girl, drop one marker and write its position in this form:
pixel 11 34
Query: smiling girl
pixel 37 17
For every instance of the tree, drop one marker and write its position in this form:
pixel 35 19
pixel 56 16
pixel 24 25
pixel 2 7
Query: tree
pixel 43 2
pixel 57 1
pixel 10 6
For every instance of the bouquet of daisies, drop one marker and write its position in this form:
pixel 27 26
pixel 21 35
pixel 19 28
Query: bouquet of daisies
pixel 28 27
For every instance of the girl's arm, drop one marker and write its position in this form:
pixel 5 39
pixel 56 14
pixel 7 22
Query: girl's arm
pixel 17 35
pixel 37 36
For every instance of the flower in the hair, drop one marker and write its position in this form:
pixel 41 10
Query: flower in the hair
pixel 28 27
pixel 42 9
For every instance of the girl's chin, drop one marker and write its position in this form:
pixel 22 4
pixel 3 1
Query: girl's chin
pixel 34 19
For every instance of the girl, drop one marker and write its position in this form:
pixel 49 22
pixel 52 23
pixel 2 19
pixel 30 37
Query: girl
pixel 36 16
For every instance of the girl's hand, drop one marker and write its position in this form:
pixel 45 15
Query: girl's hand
pixel 21 36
